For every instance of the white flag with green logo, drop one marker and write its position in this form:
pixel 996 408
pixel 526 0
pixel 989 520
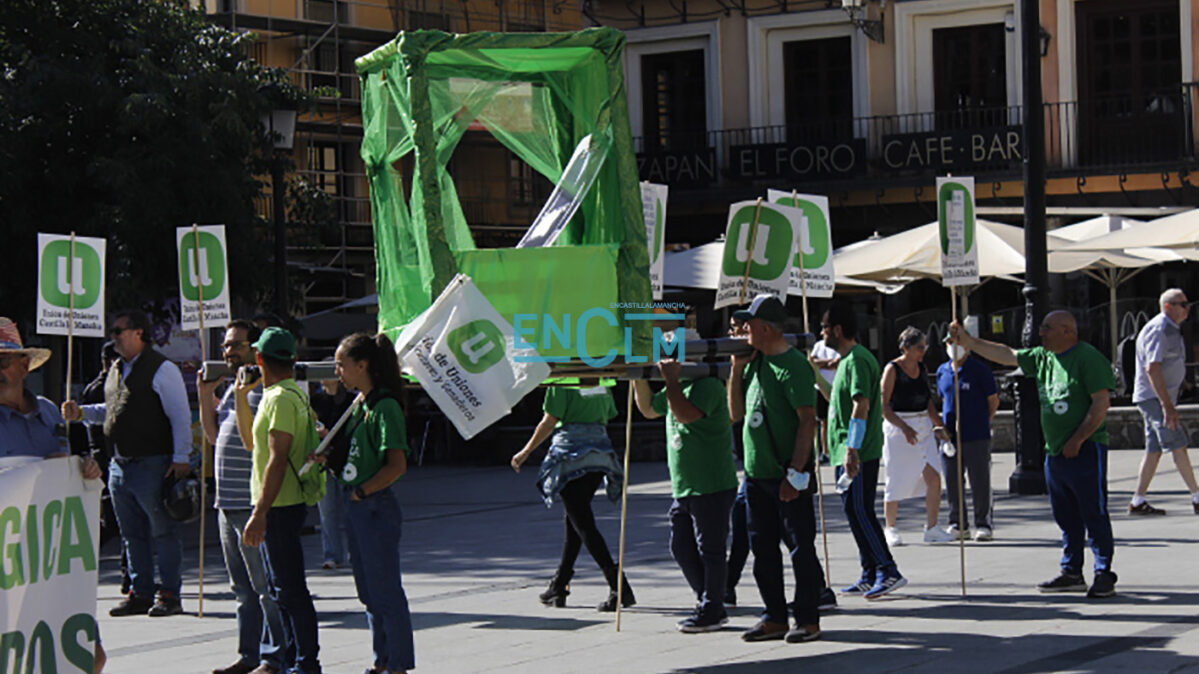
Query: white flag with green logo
pixel 813 244
pixel 653 207
pixel 61 275
pixel 464 354
pixel 955 215
pixel 203 275
pixel 50 519
pixel 757 259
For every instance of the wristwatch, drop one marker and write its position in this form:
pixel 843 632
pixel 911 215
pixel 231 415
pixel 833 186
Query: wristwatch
pixel 358 491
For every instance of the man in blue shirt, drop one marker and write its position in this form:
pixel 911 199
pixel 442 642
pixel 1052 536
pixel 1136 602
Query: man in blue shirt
pixel 980 401
pixel 147 423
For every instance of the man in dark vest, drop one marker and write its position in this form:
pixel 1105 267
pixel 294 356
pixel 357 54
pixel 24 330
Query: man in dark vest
pixel 147 424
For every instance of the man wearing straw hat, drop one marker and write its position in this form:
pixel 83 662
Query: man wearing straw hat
pixel 772 390
pixel 1075 382
pixel 147 422
pixel 31 425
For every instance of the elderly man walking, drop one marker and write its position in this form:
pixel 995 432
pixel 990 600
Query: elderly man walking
pixel 147 422
pixel 1075 382
pixel 1161 367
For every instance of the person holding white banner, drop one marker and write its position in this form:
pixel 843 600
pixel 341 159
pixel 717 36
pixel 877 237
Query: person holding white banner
pixel 30 425
pixel 911 431
pixel 148 424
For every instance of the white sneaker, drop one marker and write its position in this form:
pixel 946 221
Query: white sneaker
pixel 938 535
pixel 892 536
pixel 953 531
pixel 982 534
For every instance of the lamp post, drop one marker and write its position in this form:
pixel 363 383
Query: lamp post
pixel 1029 476
pixel 280 124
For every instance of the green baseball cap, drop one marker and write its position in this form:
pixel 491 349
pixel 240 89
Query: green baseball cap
pixel 277 343
pixel 765 307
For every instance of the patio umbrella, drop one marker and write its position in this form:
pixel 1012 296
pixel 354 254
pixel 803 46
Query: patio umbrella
pixel 1175 236
pixel 916 253
pixel 1086 246
pixel 699 267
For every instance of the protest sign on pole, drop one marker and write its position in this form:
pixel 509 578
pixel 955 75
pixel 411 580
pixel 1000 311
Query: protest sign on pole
pixel 759 249
pixel 203 276
pixel 813 245
pixel 955 215
pixel 653 206
pixel 464 354
pixel 50 523
pixel 65 279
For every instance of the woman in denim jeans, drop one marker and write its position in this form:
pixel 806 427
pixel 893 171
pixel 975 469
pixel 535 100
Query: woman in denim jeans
pixel 580 457
pixel 378 456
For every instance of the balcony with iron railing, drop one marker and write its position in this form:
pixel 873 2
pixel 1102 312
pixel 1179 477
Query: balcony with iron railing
pixel 1106 135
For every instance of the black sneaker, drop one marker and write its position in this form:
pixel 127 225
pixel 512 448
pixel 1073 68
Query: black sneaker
pixel 133 604
pixel 1066 582
pixel 699 623
pixel 1144 509
pixel 828 600
pixel 165 604
pixel 730 595
pixel 1104 585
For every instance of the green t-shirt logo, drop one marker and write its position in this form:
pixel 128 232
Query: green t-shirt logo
pixel 477 345
pixel 82 278
pixel 202 267
pixel 771 255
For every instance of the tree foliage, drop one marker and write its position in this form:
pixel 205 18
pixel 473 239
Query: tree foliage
pixel 125 119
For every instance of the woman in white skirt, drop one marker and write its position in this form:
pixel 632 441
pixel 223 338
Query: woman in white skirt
pixel 911 430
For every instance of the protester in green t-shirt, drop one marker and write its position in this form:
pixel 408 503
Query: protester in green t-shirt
pixel 580 457
pixel 703 475
pixel 771 389
pixel 1074 383
pixel 855 441
pixel 378 456
pixel 278 437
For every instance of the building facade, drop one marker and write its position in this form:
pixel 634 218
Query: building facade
pixel 868 101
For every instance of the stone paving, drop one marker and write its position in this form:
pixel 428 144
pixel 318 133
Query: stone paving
pixel 479 545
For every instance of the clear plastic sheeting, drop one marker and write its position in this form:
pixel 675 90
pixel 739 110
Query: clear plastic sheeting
pixel 580 174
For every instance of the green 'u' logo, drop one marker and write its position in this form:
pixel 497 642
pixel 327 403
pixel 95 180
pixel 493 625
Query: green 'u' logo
pixel 771 254
pixel 63 276
pixel 477 345
pixel 201 267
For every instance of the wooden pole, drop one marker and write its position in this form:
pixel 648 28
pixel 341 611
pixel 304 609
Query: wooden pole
pixel 957 407
pixel 70 330
pixel 749 255
pixel 807 325
pixel 204 438
pixel 624 504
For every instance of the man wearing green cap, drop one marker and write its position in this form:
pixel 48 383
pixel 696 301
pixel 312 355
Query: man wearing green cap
pixel 278 437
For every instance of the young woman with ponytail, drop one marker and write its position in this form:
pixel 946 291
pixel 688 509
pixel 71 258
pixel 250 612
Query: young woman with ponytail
pixel 378 456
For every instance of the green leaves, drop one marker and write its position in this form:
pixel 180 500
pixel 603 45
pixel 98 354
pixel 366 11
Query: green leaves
pixel 125 119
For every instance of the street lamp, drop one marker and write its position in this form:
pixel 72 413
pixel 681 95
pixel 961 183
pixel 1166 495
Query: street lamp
pixel 280 125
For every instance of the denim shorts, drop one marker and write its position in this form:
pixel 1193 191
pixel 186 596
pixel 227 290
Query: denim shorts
pixel 1158 438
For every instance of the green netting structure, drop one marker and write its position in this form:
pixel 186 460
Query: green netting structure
pixel 539 94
